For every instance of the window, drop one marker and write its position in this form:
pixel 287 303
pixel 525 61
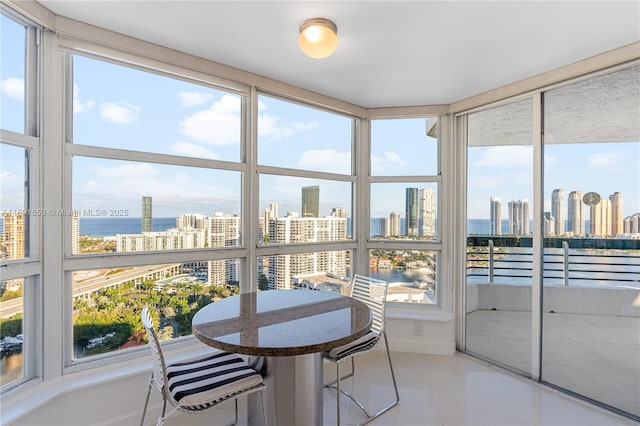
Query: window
pixel 305 195
pixel 296 136
pixel 20 213
pixel 138 110
pixel 404 147
pixel 156 168
pixel 13 54
pixel 318 270
pixel 404 207
pixel 126 206
pixel 320 210
pixel 107 302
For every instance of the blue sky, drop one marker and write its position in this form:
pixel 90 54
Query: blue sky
pixel 124 108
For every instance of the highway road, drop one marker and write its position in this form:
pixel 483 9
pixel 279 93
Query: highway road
pixel 14 306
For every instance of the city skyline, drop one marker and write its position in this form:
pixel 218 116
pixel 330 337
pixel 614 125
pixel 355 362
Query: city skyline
pixel 567 218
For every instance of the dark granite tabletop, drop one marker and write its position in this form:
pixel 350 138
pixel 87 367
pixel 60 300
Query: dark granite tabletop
pixel 281 322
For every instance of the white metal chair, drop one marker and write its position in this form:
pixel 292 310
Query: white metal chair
pixel 373 293
pixel 199 383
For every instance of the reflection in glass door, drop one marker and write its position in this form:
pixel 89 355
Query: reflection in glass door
pixel 499 234
pixel 591 291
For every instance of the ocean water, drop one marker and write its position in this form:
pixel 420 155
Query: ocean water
pixel 105 227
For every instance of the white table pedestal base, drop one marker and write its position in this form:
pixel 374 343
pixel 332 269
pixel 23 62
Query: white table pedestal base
pixel 294 386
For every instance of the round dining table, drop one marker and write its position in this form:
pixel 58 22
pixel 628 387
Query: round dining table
pixel 284 333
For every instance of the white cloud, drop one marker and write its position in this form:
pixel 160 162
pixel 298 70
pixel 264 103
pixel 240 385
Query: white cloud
pixel 327 160
pixel 120 113
pixel 507 157
pixel 189 99
pixel 604 161
pixel 269 127
pixel 193 150
pixel 391 161
pixel 219 125
pixel 78 105
pixel 13 87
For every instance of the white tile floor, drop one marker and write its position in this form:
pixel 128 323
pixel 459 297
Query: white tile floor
pixel 446 390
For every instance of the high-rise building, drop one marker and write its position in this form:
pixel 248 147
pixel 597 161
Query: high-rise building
pixel 632 224
pixel 338 212
pixel 385 227
pixel 427 212
pixel 411 212
pixel 549 224
pixel 394 224
pixel 224 231
pixel 147 215
pixel 617 221
pixel 311 201
pixel 605 217
pixel 600 218
pixel 557 210
pixel 13 235
pixel 191 221
pixel 268 214
pixel 294 229
pixel 575 216
pixel 519 217
pixel 496 216
pixel 171 239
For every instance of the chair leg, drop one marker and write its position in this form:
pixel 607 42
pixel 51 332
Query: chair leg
pixel 395 387
pixel 146 402
pixel 264 409
pixel 393 376
pixel 338 394
pixel 353 371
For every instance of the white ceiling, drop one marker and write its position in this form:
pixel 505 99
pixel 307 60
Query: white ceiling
pixel 390 53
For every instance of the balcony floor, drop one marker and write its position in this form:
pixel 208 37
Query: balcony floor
pixel 439 390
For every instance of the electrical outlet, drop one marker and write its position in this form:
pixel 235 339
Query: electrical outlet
pixel 417 328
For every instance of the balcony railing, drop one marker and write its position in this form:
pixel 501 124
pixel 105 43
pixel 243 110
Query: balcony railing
pixel 572 261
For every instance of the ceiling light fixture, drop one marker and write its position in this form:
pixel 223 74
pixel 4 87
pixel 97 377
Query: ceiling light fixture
pixel 318 37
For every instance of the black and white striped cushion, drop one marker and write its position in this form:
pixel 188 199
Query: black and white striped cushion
pixel 196 384
pixel 364 343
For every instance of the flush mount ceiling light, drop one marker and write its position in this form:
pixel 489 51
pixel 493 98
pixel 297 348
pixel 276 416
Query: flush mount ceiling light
pixel 318 37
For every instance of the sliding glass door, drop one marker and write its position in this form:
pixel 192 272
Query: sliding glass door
pixel 560 304
pixel 499 243
pixel 591 291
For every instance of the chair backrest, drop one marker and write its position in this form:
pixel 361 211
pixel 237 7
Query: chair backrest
pixel 159 366
pixel 373 293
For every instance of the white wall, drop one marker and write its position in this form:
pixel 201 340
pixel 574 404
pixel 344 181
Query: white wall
pixel 560 299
